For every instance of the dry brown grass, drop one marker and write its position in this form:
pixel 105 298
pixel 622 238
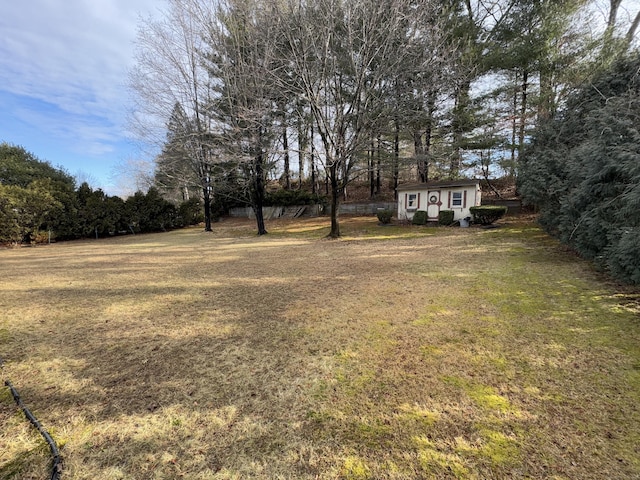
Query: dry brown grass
pixel 397 353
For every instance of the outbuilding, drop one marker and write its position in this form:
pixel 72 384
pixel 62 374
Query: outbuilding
pixel 455 195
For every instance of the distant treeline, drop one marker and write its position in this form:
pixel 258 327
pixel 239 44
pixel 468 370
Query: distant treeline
pixel 39 201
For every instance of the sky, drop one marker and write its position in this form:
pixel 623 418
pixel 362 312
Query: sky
pixel 63 84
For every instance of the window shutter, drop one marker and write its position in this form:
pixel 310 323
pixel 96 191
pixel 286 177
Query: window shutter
pixel 464 199
pixel 406 200
pixel 449 202
pixel 418 199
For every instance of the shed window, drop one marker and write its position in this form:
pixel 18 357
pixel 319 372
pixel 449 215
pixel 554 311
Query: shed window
pixel 456 199
pixel 412 201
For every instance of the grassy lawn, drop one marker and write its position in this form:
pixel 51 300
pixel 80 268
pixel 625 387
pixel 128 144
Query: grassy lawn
pixel 394 353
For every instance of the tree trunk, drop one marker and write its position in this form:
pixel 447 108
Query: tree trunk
pixel 614 5
pixel 425 151
pixel 344 180
pixel 258 198
pixel 396 157
pixel 418 148
pixel 610 46
pixel 514 127
pixel 428 133
pixel 459 127
pixel 484 166
pixel 300 166
pixel 285 146
pixel 313 164
pixel 205 178
pixel 257 209
pixel 379 166
pixel 632 30
pixel 206 199
pixel 523 113
pixel 335 197
pixel 371 169
pixel 302 145
pixel 546 105
pixel 258 191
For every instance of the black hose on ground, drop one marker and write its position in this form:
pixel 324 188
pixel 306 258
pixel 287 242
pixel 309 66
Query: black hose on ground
pixel 55 453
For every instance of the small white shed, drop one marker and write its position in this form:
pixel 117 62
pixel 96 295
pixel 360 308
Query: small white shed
pixel 456 195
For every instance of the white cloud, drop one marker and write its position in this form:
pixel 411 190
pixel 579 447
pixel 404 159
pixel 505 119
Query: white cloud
pixel 73 55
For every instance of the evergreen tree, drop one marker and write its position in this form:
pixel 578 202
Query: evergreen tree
pixel 241 59
pixel 583 171
pixel 43 197
pixel 149 212
pixel 20 167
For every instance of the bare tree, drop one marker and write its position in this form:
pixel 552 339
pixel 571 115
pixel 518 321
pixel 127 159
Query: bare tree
pixel 343 55
pixel 620 30
pixel 614 8
pixel 168 73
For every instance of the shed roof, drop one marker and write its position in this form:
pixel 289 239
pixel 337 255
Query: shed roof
pixel 465 182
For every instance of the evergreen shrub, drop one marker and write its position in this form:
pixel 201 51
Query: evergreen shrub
pixel 190 212
pixel 419 218
pixel 487 214
pixel 581 171
pixel 384 216
pixel 445 217
pixel 290 198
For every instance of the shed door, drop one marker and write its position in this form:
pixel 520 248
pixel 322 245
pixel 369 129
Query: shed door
pixel 433 204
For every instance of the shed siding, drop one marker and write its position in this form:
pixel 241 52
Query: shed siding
pixel 471 196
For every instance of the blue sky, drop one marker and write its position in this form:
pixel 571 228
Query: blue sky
pixel 63 83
